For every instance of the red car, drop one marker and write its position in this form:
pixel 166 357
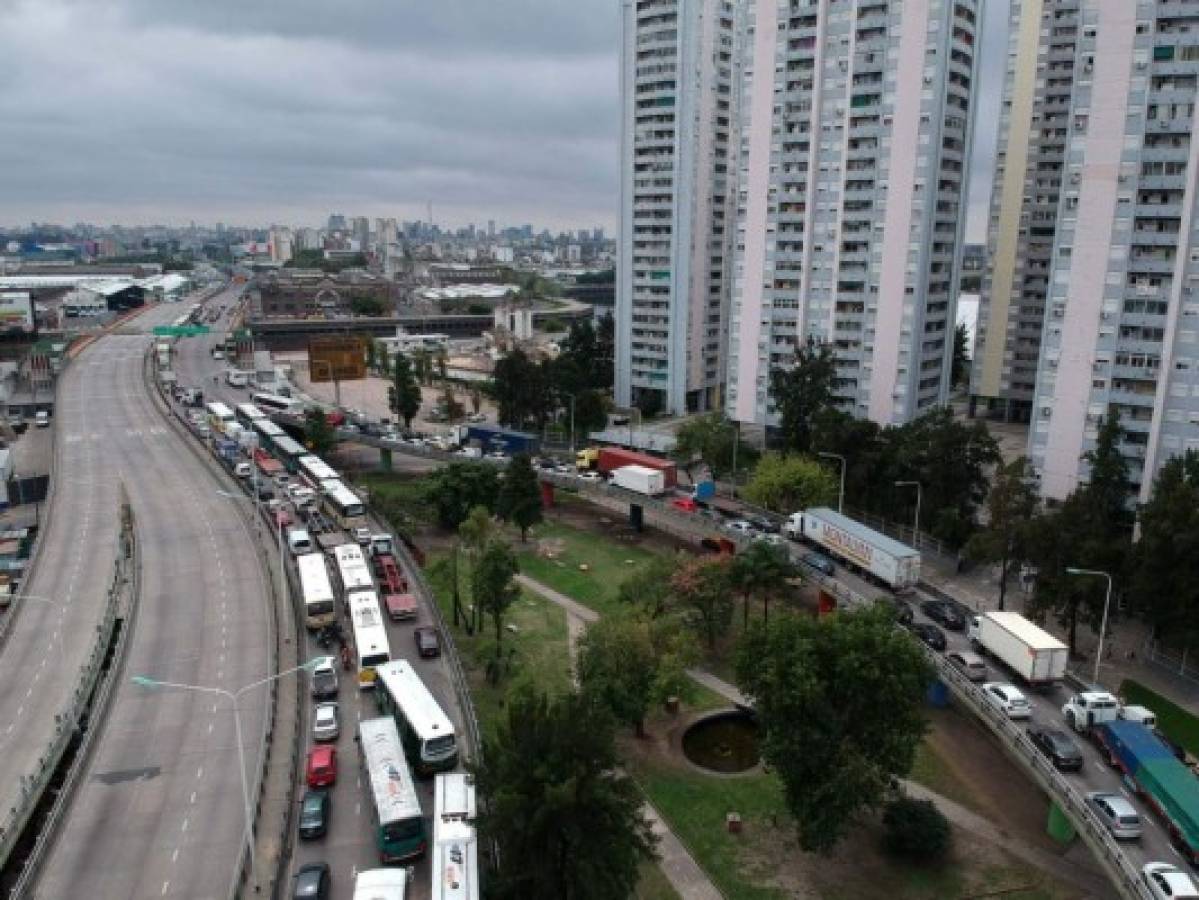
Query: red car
pixel 322 766
pixel 686 504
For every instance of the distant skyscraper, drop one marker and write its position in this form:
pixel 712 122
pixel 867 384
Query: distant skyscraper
pixel 337 222
pixel 854 133
pixel 491 228
pixel 1122 299
pixel 362 232
pixel 281 244
pixel 676 123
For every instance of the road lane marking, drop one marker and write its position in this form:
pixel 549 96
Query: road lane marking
pixel 175 855
pixel 165 885
pixel 193 799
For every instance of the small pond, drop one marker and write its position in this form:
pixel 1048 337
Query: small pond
pixel 726 742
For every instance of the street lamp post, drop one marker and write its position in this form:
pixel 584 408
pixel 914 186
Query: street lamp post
pixel 841 495
pixel 919 491
pixel 572 425
pixel 1103 623
pixel 154 684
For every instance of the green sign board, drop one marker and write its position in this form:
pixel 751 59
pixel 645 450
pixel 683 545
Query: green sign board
pixel 180 330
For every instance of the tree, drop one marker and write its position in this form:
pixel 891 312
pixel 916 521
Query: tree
pixel 367 306
pixel 442 358
pixel 649 588
pixel 422 366
pixel 522 390
pixel 456 489
pixel 454 411
pixel 552 767
pixel 591 413
pixel 519 499
pixel 1011 506
pixel 836 725
pixel 403 397
pixel 477 529
pixel 916 830
pixel 617 664
pixel 785 483
pixel 801 392
pixel 960 372
pixel 318 433
pixel 492 588
pixel 372 352
pixel 712 438
pixel 1163 588
pixel 703 586
pixel 762 571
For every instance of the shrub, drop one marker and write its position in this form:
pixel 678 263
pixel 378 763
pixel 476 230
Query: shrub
pixel 916 829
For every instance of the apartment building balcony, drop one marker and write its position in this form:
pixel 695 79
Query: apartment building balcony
pixel 1150 264
pixel 1158 210
pixel 1163 182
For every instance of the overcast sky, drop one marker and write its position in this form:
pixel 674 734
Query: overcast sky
pixel 260 111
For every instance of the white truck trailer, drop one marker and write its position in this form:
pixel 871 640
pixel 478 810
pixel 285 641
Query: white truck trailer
pixel 894 564
pixel 640 479
pixel 1033 653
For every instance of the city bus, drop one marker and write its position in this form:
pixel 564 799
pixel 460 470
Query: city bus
pixel 353 571
pixel 427 731
pixel 314 471
pixel 395 807
pixel 381 884
pixel 219 416
pixel 290 452
pixel 455 861
pixel 319 609
pixel 343 505
pixel 248 414
pixel 371 649
pixel 268 432
pixel 274 403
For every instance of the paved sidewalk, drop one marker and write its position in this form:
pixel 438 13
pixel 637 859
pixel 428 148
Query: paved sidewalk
pixel 676 863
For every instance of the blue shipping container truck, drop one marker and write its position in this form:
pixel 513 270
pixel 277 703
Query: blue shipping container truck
pixel 511 442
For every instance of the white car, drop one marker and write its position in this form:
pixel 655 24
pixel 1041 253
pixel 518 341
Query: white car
pixel 1168 882
pixel 740 526
pixel 591 476
pixel 1008 698
pixel 363 536
pixel 325 726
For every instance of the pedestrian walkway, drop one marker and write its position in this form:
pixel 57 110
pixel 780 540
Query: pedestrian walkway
pixel 675 861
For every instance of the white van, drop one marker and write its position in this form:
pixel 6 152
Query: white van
pixel 236 378
pixel 299 541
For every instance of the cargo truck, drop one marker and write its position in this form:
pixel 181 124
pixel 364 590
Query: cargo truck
pixel 490 439
pixel 639 479
pixel 267 464
pixel 606 460
pixel 1031 652
pixel 1149 766
pixel 887 560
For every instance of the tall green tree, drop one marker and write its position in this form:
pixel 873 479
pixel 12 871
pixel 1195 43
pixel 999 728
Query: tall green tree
pixel 403 396
pixel 837 725
pixel 618 665
pixel 522 390
pixel 591 413
pixel 703 586
pixel 456 489
pixel 960 371
pixel 801 392
pixel 492 587
pixel 1163 588
pixel 318 433
pixel 553 767
pixel 1011 508
pixel 519 500
pixel 761 571
pixel 787 483
pixel 710 439
pixel 648 588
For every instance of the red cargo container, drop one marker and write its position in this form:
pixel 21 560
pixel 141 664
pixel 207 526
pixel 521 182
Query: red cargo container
pixel 267 464
pixel 615 457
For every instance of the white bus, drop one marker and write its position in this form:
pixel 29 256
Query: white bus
pixel 344 506
pixel 248 414
pixel 275 403
pixel 314 470
pixel 268 432
pixel 353 570
pixel 455 867
pixel 319 602
pixel 427 731
pixel 371 649
pixel 219 416
pixel 381 884
pixel 395 807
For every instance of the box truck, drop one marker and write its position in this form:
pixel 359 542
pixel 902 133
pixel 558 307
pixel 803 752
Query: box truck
pixel 639 479
pixel 894 564
pixel 1031 652
pixel 609 459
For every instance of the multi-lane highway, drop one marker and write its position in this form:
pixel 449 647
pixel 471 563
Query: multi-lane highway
pixel 349 846
pixel 160 811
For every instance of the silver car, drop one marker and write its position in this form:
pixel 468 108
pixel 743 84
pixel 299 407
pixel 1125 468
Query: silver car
pixel 1116 813
pixel 969 664
pixel 325 725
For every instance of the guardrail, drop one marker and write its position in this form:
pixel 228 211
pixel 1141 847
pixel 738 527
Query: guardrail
pixel 126 578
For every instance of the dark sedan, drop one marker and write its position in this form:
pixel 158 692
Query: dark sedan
pixel 903 613
pixel 1058 746
pixel 946 614
pixel 931 635
pixel 427 643
pixel 763 524
pixel 314 814
pixel 312 882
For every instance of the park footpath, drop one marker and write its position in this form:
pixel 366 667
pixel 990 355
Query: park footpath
pixel 685 874
pixel 674 859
